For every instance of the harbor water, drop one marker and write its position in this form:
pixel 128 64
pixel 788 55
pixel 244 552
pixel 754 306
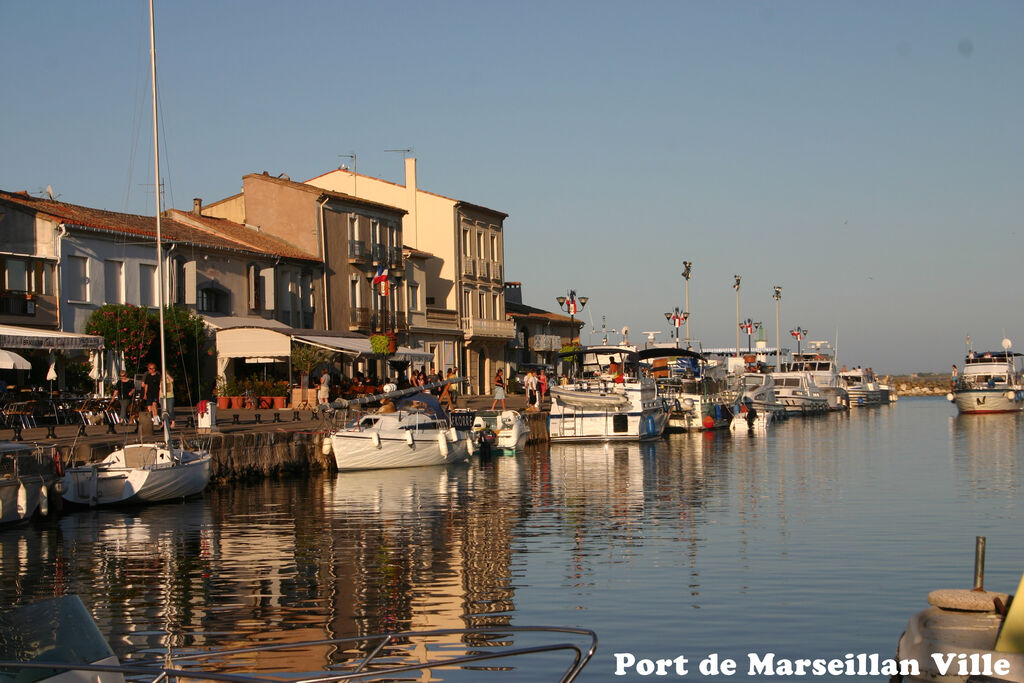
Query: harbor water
pixel 815 540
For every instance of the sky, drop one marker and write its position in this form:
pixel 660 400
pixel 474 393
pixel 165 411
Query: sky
pixel 864 156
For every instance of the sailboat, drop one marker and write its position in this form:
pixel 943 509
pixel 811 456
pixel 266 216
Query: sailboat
pixel 144 472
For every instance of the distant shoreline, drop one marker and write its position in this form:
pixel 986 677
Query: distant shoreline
pixel 920 384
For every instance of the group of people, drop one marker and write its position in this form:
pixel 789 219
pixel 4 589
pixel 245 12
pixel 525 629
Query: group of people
pixel 447 394
pixel 536 387
pixel 126 392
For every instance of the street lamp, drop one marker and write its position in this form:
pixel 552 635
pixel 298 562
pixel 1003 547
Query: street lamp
pixel 748 326
pixel 572 305
pixel 687 265
pixel 736 286
pixel 798 334
pixel 777 295
pixel 676 318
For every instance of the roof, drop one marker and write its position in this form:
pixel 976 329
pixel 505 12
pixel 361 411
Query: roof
pixel 255 239
pixel 517 310
pixel 172 230
pixel 321 192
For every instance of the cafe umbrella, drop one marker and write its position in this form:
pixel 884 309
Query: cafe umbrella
pixel 12 361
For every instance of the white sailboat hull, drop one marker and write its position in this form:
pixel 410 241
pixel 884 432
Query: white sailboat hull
pixel 141 473
pixel 360 451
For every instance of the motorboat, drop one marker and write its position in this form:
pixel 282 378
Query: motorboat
pixel 695 389
pixel 139 473
pixel 414 432
pixel 50 638
pixel 757 406
pixel 990 383
pixel 502 431
pixel 799 394
pixel 862 386
pixel 819 362
pixel 606 397
pixel 29 482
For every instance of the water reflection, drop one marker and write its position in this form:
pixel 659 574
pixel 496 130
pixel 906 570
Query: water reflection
pixel 985 450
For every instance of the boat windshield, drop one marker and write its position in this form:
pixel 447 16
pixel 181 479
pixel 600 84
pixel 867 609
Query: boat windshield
pixel 423 403
pixel 753 380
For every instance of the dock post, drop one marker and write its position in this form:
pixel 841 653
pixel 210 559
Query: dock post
pixel 979 563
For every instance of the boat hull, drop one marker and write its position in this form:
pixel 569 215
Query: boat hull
pixel 360 451
pixel 185 474
pixel 597 425
pixel 980 401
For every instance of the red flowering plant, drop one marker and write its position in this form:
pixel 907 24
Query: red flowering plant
pixel 127 329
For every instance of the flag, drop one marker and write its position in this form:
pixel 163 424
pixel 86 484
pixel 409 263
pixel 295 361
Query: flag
pixel 381 280
pixel 797 334
pixel 573 306
pixel 677 320
pixel 747 327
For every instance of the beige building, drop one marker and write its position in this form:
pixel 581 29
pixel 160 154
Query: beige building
pixel 465 278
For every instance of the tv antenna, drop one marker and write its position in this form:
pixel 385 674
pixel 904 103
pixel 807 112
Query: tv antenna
pixel 405 152
pixel 650 335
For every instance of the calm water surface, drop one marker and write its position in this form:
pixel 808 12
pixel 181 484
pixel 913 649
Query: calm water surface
pixel 815 540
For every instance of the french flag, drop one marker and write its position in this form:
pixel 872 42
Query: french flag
pixel 381 280
pixel 573 305
pixel 797 334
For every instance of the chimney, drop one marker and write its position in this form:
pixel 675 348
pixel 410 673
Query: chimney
pixel 197 206
pixel 411 236
pixel 514 292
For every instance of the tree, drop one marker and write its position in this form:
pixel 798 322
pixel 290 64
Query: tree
pixel 126 329
pixel 184 338
pixel 306 357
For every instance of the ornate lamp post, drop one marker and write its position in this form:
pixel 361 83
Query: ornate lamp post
pixel 687 265
pixel 736 286
pixel 676 318
pixel 798 334
pixel 572 305
pixel 748 327
pixel 777 295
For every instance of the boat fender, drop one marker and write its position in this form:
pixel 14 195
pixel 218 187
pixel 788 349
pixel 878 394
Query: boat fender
pixel 375 438
pixel 409 439
pixel 44 501
pixel 326 447
pixel 453 434
pixel 22 501
pixel 442 444
pixel 1011 396
pixel 650 424
pixel 58 463
pixel 718 411
pixel 469 446
pixel 708 422
pixel 950 397
pixel 688 403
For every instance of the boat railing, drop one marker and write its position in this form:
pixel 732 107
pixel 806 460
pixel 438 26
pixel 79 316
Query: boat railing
pixel 362 658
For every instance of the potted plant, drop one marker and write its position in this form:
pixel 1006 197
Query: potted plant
pixel 234 390
pixel 223 396
pixel 379 344
pixel 279 394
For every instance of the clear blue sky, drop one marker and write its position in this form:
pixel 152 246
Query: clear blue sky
pixel 864 155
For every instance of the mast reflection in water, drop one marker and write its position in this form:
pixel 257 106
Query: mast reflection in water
pixel 818 538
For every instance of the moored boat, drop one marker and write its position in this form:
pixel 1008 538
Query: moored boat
pixel 861 385
pixel 29 482
pixel 990 383
pixel 819 362
pixel 503 431
pixel 139 473
pixel 606 397
pixel 695 389
pixel 799 394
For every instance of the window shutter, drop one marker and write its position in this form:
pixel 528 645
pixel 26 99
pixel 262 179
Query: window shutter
pixel 269 288
pixel 190 282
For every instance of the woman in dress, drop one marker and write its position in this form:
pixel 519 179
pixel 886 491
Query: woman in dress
pixel 499 389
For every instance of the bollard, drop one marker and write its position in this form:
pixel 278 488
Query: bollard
pixel 110 427
pixel 51 432
pixel 190 423
pixel 81 430
pixel 979 563
pixel 259 420
pixel 295 416
pixel 277 417
pixel 234 419
pixel 17 432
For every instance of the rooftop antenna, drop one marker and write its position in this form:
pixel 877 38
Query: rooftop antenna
pixel 650 336
pixel 49 192
pixel 405 152
pixel 604 331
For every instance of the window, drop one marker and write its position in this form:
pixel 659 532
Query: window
pixel 466 251
pixel 494 248
pixel 76 278
pixel 255 283
pixel 113 282
pixel 41 276
pixel 353 228
pixel 480 244
pixel 466 301
pixel 494 307
pixel 414 296
pixel 482 300
pixel 17 275
pixel 353 292
pixel 212 300
pixel 147 285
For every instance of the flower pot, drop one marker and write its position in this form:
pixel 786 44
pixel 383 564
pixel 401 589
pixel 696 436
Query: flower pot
pixel 237 402
pixel 266 401
pixel 223 402
pixel 279 401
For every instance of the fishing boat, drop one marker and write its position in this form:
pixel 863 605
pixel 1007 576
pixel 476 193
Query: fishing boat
pixel 820 363
pixel 605 397
pixel 990 383
pixel 414 432
pixel 799 394
pixel 144 472
pixel 694 388
pixel 500 431
pixel 29 482
pixel 862 386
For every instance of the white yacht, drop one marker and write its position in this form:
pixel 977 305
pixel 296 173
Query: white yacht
pixel 990 383
pixel 606 397
pixel 820 363
pixel 416 433
pixel 861 385
pixel 799 394
pixel 139 473
pixel 695 389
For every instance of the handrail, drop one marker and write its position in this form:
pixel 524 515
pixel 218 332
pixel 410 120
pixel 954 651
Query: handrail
pixel 170 669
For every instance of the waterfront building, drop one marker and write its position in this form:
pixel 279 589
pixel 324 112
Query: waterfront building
pixel 539 334
pixel 468 242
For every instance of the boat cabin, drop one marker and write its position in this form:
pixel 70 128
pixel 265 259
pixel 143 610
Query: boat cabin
pixel 609 363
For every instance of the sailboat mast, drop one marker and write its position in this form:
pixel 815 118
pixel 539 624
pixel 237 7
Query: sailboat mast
pixel 159 253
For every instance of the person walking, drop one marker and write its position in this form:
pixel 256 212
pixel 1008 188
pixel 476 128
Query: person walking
pixel 453 390
pixel 124 391
pixel 542 381
pixel 169 400
pixel 531 385
pixel 499 389
pixel 323 391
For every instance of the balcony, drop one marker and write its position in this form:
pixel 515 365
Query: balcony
pixel 478 328
pixel 496 272
pixel 395 257
pixel 357 252
pixel 468 266
pixel 442 317
pixel 19 308
pixel 483 268
pixel 379 253
pixel 545 342
pixel 359 319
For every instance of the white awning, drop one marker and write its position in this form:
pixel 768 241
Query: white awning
pixel 253 342
pixel 12 337
pixel 360 346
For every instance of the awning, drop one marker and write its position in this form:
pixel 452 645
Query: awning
pixel 12 337
pixel 356 346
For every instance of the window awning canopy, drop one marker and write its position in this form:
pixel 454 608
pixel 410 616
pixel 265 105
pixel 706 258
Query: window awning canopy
pixel 360 346
pixel 13 337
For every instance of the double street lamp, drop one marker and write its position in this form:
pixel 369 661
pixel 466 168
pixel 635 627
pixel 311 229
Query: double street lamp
pixel 749 326
pixel 676 318
pixel 798 334
pixel 687 265
pixel 572 305
pixel 777 295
